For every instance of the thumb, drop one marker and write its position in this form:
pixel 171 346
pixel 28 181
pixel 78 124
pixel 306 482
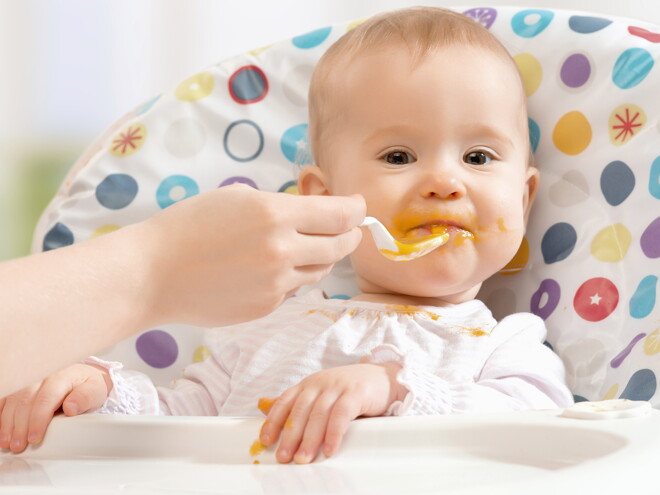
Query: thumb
pixel 89 395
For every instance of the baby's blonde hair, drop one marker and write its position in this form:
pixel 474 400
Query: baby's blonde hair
pixel 421 29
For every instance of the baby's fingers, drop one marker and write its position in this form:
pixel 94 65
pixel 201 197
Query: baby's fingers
pixel 48 400
pixel 87 396
pixel 315 430
pixel 344 411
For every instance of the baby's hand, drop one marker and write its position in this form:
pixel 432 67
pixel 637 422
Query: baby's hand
pixel 319 409
pixel 25 415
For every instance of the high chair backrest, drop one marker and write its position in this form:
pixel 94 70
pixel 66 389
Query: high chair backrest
pixel 589 262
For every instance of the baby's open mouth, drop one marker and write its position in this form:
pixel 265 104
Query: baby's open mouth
pixel 428 229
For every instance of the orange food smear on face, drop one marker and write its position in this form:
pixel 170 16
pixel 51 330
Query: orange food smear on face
pixel 500 224
pixel 288 424
pixel 256 448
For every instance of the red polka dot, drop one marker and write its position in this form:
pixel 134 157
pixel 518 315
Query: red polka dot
pixel 596 299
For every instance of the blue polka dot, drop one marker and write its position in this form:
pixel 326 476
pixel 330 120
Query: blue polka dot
pixel 58 236
pixel 243 155
pixel 585 24
pixel 617 182
pixel 311 39
pixel 632 67
pixel 531 22
pixel 248 85
pixel 239 180
pixel 558 242
pixel 642 386
pixel 174 189
pixel 534 134
pixel 295 146
pixel 147 106
pixel 654 179
pixel 643 300
pixel 117 191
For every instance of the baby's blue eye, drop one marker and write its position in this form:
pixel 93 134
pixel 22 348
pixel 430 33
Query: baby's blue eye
pixel 477 158
pixel 399 158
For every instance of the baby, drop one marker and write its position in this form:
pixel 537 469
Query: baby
pixel 423 113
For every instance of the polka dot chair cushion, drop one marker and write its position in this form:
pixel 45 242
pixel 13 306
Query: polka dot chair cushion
pixel 589 262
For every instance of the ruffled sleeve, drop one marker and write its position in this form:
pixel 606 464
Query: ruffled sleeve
pixel 519 373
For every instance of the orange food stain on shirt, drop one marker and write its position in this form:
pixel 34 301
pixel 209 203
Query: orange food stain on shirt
pixel 256 461
pixel 325 313
pixel 406 309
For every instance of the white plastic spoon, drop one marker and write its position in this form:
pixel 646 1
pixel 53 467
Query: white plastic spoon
pixel 402 251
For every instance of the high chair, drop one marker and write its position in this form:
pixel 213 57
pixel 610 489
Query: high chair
pixel 588 266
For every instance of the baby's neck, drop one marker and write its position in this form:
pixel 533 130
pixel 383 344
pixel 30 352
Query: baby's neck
pixel 402 299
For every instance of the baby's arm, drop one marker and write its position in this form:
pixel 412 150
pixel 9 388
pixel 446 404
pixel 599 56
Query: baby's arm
pixel 520 373
pixel 25 415
pixel 201 391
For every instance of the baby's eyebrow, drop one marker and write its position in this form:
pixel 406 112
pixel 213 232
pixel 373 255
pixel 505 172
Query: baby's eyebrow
pixel 478 130
pixel 397 129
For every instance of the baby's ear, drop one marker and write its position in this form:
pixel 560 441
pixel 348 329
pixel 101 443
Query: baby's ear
pixel 531 186
pixel 312 181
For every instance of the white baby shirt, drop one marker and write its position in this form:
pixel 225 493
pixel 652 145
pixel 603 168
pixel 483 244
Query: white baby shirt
pixel 455 359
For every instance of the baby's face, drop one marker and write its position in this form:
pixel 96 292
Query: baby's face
pixel 444 143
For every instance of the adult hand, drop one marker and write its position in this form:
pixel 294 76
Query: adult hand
pixel 318 411
pixel 225 256
pixel 235 254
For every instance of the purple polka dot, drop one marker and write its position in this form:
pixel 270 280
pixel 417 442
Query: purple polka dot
pixel 575 70
pixel 483 15
pixel 157 348
pixel 550 289
pixel 650 239
pixel 238 180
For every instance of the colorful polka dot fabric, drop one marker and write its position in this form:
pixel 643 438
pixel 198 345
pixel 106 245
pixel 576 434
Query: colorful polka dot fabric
pixel 589 263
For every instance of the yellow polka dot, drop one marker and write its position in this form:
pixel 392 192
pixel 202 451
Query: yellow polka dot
pixel 355 24
pixel 611 244
pixel 652 343
pixel 572 133
pixel 530 70
pixel 196 87
pixel 200 354
pixel 105 229
pixel 625 122
pixel 611 393
pixel 519 261
pixel 128 140
pixel 259 51
pixel 292 189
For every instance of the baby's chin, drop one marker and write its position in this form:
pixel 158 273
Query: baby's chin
pixel 428 294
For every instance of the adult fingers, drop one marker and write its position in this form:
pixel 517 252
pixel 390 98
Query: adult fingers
pixel 315 429
pixel 325 249
pixel 328 214
pixel 343 412
pixel 87 396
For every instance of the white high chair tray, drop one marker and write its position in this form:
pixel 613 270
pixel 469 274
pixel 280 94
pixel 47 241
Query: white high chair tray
pixel 538 452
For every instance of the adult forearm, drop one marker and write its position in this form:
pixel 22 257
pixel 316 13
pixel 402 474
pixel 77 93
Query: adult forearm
pixel 60 306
